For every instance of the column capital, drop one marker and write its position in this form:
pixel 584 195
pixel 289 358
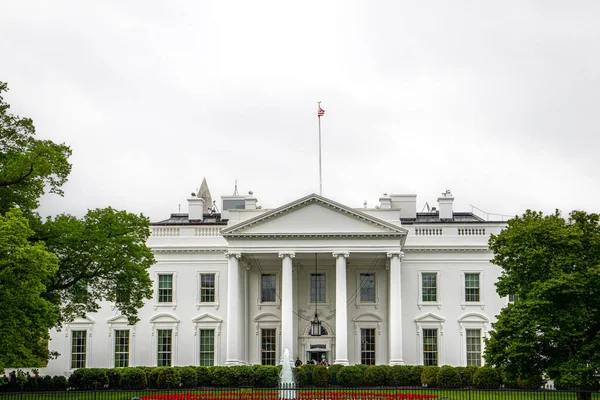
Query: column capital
pixel 392 254
pixel 235 254
pixel 337 254
pixel 289 254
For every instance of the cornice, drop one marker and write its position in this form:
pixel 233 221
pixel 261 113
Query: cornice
pixel 320 235
pixel 164 250
pixel 478 249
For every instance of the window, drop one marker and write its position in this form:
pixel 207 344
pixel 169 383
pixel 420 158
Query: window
pixel 267 288
pixel 78 349
pixel 121 348
pixel 234 204
pixel 317 288
pixel 207 288
pixel 367 346
pixel 513 297
pixel 474 347
pixel 165 288
pixel 207 347
pixel 164 349
pixel 268 346
pixel 367 288
pixel 430 347
pixel 472 287
pixel 429 286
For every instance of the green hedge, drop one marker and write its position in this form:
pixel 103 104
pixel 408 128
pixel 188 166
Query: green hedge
pixel 486 378
pixel 449 377
pixel 321 376
pixel 429 376
pixel 133 379
pixel 375 375
pixel 350 376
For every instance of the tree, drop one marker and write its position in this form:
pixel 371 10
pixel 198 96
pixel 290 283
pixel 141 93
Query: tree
pixel 28 166
pixel 55 270
pixel 102 256
pixel 25 315
pixel 553 265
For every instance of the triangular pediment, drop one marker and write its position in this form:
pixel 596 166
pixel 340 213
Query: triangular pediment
pixel 207 318
pixel 313 215
pixel 430 317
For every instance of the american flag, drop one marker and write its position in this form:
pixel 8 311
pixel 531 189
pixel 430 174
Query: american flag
pixel 320 113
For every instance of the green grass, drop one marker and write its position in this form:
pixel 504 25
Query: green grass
pixel 334 394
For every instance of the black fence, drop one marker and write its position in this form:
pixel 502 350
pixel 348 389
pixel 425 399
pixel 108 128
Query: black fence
pixel 306 393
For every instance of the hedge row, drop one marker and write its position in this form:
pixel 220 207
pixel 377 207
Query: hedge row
pixel 19 380
pixel 306 375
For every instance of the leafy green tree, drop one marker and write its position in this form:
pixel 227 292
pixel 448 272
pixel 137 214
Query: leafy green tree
pixel 553 265
pixel 28 167
pixel 54 270
pixel 25 315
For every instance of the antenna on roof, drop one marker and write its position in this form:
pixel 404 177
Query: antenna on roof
pixel 235 191
pixel 179 208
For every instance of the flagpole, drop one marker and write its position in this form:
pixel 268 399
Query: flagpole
pixel 320 173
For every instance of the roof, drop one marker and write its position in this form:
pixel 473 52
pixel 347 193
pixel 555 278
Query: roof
pixel 457 218
pixel 182 219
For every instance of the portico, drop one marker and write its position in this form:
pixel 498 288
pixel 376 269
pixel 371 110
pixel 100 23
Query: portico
pixel 274 287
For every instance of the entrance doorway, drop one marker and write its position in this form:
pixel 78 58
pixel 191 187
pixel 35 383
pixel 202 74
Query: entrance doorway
pixel 316 356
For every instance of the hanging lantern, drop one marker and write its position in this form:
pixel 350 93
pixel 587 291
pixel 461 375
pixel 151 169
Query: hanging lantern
pixel 315 326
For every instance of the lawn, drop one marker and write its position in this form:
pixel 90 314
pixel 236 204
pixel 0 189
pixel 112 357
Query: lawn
pixel 301 394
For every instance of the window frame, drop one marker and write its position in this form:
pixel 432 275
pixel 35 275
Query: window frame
pixel 276 344
pixel 367 320
pixel 467 330
pixel 158 344
pixel 277 302
pixel 374 351
pixel 207 322
pixel 173 303
pixel 214 348
pixel 420 301
pixel 358 300
pixel 472 320
pixel 164 321
pixel 430 321
pixel 120 323
pixel 85 348
pixel 464 303
pixel 79 324
pixel 114 343
pixel 199 302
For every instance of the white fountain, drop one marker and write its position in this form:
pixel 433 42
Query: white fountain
pixel 288 386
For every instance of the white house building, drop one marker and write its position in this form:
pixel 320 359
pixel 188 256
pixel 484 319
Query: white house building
pixel 389 285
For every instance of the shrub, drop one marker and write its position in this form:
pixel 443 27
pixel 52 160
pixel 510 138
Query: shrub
pixel 46 383
pixel 415 375
pixel 223 376
pixel 244 376
pixel 153 376
pixel 400 375
pixel 449 377
pixel 321 376
pixel 114 377
pixel 375 375
pixel 204 376
pixel 486 378
pixel 133 379
pixel 266 376
pixel 470 373
pixel 59 383
pixel 350 376
pixel 429 375
pixel 188 376
pixel 334 370
pixel 304 374
pixel 75 378
pixel 168 378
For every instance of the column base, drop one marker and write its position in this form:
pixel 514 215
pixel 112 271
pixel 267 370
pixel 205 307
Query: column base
pixel 342 362
pixel 233 363
pixel 396 362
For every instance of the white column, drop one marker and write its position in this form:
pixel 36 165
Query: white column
pixel 234 310
pixel 287 305
pixel 395 308
pixel 341 310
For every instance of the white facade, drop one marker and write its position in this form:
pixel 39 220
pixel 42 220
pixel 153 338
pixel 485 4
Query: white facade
pixel 392 286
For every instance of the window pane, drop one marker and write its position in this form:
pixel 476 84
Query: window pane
pixel 429 285
pixel 268 287
pixel 164 348
pixel 317 288
pixel 207 288
pixel 367 346
pixel 367 288
pixel 513 297
pixel 471 287
pixel 121 348
pixel 430 347
pixel 165 288
pixel 268 346
pixel 207 347
pixel 474 347
pixel 78 349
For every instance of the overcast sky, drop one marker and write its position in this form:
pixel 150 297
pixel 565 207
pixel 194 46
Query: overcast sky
pixel 497 101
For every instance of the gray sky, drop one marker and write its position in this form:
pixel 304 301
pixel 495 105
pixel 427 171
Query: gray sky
pixel 497 101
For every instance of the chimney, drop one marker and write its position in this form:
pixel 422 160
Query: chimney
pixel 250 201
pixel 196 208
pixel 445 204
pixel 385 202
pixel 407 203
